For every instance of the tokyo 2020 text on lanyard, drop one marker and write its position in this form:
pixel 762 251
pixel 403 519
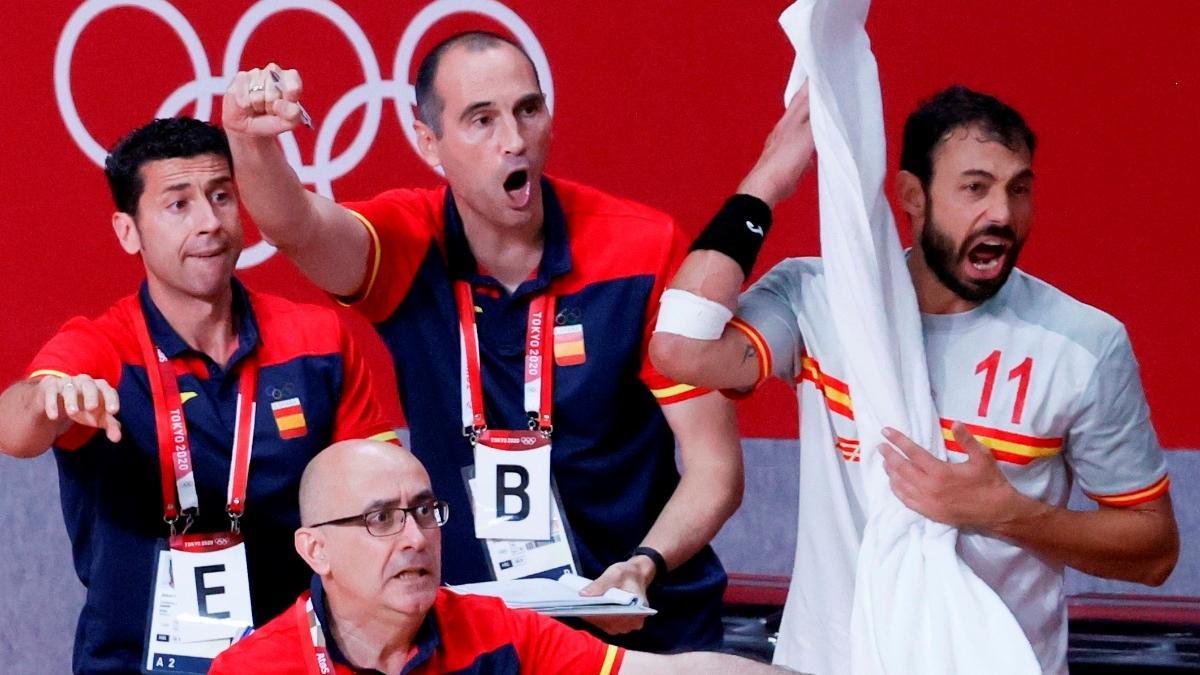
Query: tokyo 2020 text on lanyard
pixel 538 369
pixel 515 510
pixel 174 448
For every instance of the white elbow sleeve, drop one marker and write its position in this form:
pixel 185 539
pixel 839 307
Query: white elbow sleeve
pixel 690 315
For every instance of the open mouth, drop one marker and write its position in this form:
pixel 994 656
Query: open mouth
pixel 987 257
pixel 411 574
pixel 517 187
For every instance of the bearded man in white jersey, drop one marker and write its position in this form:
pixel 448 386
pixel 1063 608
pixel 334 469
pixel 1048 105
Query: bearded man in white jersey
pixel 1035 389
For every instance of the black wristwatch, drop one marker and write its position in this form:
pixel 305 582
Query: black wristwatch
pixel 660 563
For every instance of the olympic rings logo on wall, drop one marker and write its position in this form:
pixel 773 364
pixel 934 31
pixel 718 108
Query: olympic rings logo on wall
pixel 205 86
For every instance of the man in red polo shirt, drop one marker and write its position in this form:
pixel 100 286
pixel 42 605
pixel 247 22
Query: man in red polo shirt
pixel 470 285
pixel 372 536
pixel 174 372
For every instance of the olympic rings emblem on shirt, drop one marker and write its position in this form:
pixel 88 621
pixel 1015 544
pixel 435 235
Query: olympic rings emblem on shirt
pixel 205 86
pixel 568 316
pixel 278 393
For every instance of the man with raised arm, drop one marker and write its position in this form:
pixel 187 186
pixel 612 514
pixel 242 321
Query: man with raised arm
pixel 513 303
pixel 1035 390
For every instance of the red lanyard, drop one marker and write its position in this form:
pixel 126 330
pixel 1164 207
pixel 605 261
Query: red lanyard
pixel 538 368
pixel 319 661
pixel 174 449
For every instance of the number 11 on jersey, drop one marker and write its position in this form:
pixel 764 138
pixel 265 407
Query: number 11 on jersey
pixel 990 366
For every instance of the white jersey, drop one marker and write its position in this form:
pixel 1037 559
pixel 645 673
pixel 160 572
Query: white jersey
pixel 1048 383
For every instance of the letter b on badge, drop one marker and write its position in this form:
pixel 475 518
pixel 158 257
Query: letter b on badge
pixel 512 485
pixel 506 475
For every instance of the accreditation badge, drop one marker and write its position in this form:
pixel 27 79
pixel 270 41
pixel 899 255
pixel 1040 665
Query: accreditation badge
pixel 547 558
pixel 201 602
pixel 512 474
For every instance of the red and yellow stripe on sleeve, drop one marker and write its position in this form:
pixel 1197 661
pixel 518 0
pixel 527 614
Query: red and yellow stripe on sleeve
pixel 46 371
pixel 1135 497
pixel 388 436
pixel 674 393
pixel 759 344
pixel 613 656
pixel 374 257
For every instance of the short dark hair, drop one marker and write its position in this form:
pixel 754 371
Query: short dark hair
pixel 165 138
pixel 958 107
pixel 429 104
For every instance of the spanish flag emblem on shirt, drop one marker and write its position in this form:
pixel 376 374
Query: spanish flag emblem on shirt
pixel 289 417
pixel 568 345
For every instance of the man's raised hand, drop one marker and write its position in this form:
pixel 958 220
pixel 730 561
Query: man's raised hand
pixel 785 157
pixel 263 102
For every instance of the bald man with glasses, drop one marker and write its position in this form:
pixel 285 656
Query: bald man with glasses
pixel 376 603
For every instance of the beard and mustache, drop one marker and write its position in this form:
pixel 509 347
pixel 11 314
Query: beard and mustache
pixel 945 259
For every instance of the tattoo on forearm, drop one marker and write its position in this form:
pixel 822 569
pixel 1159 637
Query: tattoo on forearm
pixel 749 354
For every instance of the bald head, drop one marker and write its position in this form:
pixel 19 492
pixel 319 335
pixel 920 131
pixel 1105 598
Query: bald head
pixel 392 575
pixel 332 484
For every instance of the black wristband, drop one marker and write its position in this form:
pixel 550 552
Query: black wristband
pixel 660 563
pixel 738 230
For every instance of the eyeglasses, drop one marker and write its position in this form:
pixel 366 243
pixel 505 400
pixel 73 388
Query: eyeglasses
pixel 388 521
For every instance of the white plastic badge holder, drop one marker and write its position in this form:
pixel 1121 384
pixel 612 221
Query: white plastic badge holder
pixel 512 474
pixel 519 559
pixel 201 602
pixel 509 559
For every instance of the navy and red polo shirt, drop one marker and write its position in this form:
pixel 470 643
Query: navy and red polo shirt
pixel 607 261
pixel 112 494
pixel 462 634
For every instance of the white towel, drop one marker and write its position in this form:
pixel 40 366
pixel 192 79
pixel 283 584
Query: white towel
pixel 917 607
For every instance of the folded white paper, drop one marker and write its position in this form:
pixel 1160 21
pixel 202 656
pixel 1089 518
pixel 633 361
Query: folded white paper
pixel 557 597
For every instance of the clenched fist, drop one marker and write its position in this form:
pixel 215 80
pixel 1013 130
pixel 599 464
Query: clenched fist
pixel 264 102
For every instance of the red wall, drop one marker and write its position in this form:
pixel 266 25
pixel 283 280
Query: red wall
pixel 667 103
